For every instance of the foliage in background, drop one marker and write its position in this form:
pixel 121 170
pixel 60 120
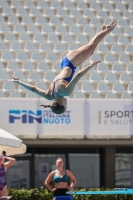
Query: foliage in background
pixel 30 194
pixel 44 194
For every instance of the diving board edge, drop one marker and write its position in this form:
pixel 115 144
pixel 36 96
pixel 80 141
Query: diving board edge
pixel 116 191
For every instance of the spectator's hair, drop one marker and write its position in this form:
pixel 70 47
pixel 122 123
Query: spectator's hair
pixel 59 158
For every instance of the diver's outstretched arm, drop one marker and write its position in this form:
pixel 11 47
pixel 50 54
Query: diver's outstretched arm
pixel 43 93
pixel 70 87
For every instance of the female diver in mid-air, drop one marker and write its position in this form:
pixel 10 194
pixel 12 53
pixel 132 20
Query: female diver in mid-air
pixel 64 83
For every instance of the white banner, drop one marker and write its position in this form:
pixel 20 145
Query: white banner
pixel 92 117
pixel 25 117
pixel 110 117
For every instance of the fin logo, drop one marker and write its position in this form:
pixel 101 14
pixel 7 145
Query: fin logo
pixel 26 116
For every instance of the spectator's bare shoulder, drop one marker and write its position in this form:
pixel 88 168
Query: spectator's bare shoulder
pixel 68 172
pixel 52 173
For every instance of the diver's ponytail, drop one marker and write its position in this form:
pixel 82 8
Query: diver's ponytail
pixel 56 107
pixel 45 106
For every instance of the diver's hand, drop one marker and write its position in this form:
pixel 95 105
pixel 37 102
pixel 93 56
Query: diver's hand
pixel 13 79
pixel 95 62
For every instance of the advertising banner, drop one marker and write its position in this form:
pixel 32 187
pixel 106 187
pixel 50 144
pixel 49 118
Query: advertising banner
pixel 26 117
pixel 83 117
pixel 110 117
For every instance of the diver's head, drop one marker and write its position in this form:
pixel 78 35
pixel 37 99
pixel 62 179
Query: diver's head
pixel 58 106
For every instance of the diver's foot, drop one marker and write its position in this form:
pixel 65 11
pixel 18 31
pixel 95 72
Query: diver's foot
pixel 111 25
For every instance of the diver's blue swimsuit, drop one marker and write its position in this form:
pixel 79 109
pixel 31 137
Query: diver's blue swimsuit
pixel 65 62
